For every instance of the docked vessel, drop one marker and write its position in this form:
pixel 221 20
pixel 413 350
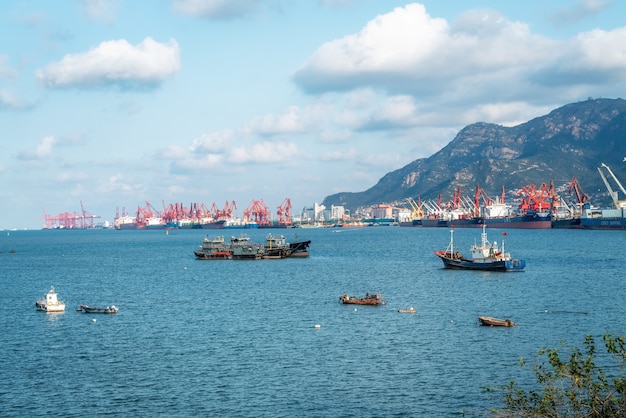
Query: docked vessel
pixel 615 218
pixel 368 299
pixel 276 247
pixel 214 249
pixel 238 223
pixel 483 256
pixel 212 224
pixel 50 303
pixel 299 249
pixel 97 310
pixel 243 249
pixel 603 218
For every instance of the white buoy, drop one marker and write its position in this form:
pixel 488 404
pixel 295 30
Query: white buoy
pixel 317 325
pixel 93 320
pixel 354 309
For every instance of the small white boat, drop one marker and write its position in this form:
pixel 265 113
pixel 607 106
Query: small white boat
pixel 50 303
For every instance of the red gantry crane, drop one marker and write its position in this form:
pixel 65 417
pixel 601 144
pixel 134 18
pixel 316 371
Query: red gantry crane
pixel 258 212
pixel 284 213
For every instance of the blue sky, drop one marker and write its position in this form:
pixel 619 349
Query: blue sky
pixel 114 103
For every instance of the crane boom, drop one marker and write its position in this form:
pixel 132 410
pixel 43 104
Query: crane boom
pixel 612 193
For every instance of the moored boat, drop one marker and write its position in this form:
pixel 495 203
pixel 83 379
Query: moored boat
pixel 94 310
pixel 299 248
pixel 276 247
pixel 369 299
pixel 50 303
pixel 243 249
pixel 495 322
pixel 214 249
pixel 484 256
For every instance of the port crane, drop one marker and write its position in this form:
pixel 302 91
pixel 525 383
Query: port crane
pixel 258 212
pixel 417 208
pixel 284 213
pixel 574 186
pixel 618 203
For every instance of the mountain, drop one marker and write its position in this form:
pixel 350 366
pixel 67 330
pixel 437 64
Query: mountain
pixel 571 141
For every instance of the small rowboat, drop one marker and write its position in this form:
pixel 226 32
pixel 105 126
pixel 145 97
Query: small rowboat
pixel 407 310
pixel 495 322
pixel 94 309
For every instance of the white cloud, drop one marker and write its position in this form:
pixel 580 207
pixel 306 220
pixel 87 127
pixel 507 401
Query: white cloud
pixel 217 9
pixel 264 153
pixel 102 10
pixel 9 101
pixel 481 58
pixel 293 120
pixel 6 71
pixel 581 9
pixel 115 63
pixel 43 150
pixel 213 143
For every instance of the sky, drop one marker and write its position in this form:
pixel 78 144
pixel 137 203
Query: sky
pixel 108 104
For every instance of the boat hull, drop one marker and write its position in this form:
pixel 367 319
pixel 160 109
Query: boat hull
pixel 495 322
pixel 603 223
pixel 465 264
pixel 374 300
pixel 570 223
pixel 97 310
pixel 529 221
pixel 213 225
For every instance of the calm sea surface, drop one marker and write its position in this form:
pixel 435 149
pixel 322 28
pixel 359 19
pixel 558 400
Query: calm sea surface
pixel 238 338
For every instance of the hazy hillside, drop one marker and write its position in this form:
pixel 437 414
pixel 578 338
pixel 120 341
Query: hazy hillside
pixel 570 141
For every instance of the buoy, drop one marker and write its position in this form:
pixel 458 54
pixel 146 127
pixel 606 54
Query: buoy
pixel 354 309
pixel 317 325
pixel 93 320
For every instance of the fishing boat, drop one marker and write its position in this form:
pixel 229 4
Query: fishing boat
pixel 50 303
pixel 93 309
pixel 484 256
pixel 495 322
pixel 369 299
pixel 214 249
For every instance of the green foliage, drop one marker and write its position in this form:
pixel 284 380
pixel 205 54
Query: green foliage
pixel 571 386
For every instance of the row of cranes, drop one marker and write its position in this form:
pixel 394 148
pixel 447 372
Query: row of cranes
pixel 530 199
pixel 73 220
pixel 257 211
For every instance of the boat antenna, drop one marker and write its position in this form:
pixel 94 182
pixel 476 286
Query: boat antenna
pixel 503 235
pixel 452 241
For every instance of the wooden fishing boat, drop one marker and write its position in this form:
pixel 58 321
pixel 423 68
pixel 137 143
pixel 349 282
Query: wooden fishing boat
pixel 495 322
pixel 369 299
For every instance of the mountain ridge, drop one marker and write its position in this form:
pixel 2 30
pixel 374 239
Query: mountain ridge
pixel 570 141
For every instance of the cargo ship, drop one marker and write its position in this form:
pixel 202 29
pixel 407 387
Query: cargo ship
pixel 603 218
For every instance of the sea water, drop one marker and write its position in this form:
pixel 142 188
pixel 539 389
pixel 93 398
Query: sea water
pixel 270 338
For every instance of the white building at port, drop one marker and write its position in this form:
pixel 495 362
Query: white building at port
pixel 319 213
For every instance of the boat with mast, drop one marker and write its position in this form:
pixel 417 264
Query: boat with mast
pixel 484 256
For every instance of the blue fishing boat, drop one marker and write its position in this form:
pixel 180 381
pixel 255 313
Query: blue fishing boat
pixel 484 256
